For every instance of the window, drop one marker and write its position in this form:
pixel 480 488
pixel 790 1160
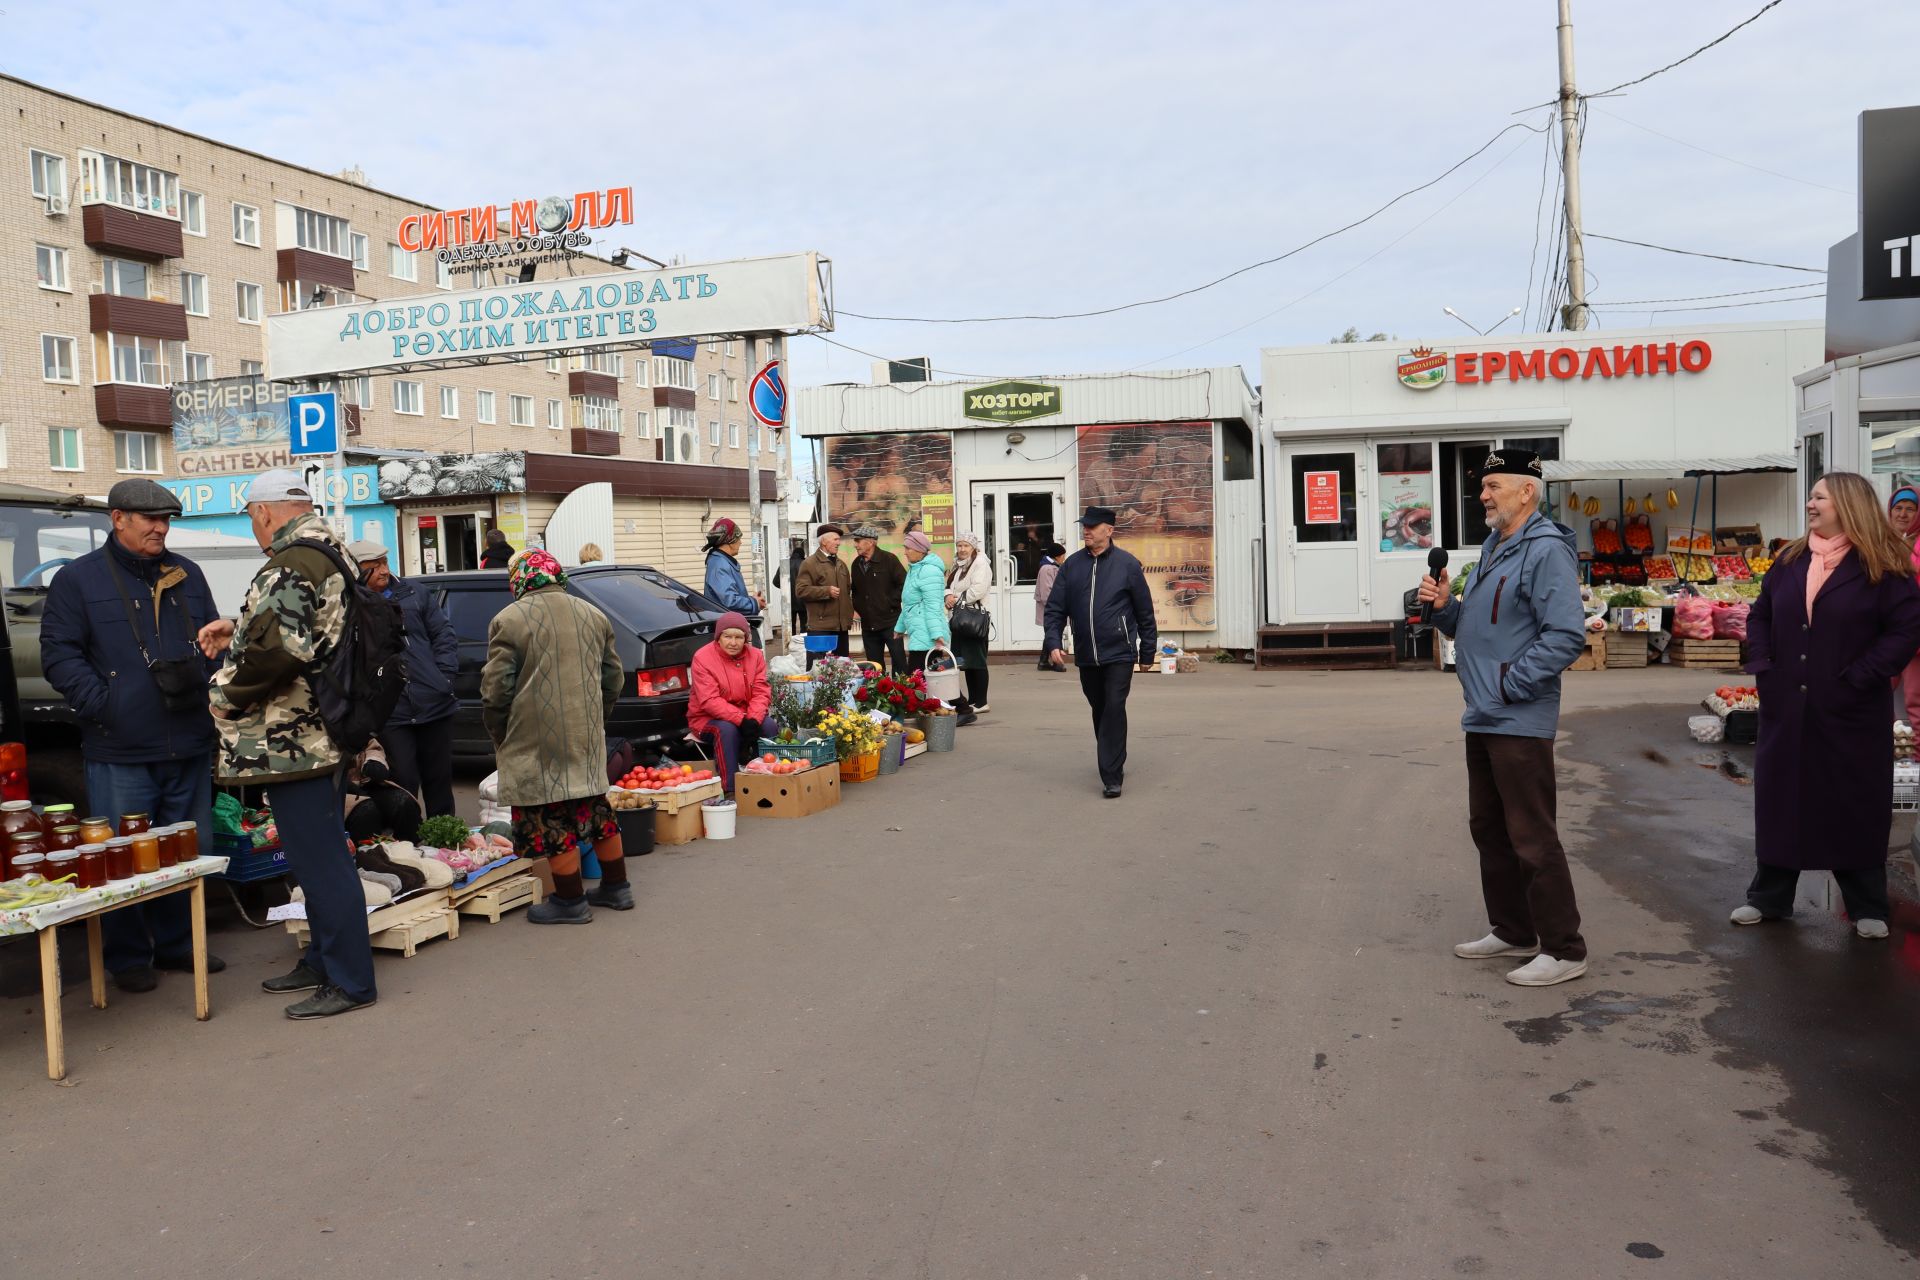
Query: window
pixel 106 179
pixel 442 274
pixel 607 362
pixel 729 349
pixel 483 407
pixel 358 243
pixel 50 267
pixel 667 446
pixel 713 434
pixel 136 451
pixel 193 213
pixel 553 364
pixel 449 402
pixel 640 366
pixel 1406 496
pixel 63 448
pixel 1330 515
pixel 407 397
pixel 199 366
pixel 146 362
pixel 681 420
pixel 401 264
pixel 246 225
pixel 520 410
pixel 599 413
pixel 251 368
pixel 556 414
pixel 471 613
pixel 642 423
pixel 123 278
pixel 56 358
pixel 733 390
pixel 357 391
pixel 733 435
pixel 671 371
pixel 321 232
pixel 246 299
pixel 193 292
pixel 713 386
pixel 49 173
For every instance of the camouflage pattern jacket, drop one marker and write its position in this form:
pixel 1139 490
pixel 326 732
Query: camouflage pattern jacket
pixel 296 612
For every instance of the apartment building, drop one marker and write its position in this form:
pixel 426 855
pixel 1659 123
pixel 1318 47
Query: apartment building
pixel 135 257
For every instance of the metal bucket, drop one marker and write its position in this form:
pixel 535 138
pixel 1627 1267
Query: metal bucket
pixel 940 731
pixel 893 752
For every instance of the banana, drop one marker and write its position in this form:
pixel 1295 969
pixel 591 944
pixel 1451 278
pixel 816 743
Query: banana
pixel 1647 505
pixel 1630 507
pixel 1573 501
pixel 1593 507
pixel 1673 499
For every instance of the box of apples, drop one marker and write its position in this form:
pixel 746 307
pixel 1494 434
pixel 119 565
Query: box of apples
pixel 668 786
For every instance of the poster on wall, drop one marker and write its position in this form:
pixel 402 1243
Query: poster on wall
pixel 886 480
pixel 449 475
pixel 230 426
pixel 1406 510
pixel 1159 481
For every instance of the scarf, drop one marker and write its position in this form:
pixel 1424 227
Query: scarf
pixel 533 570
pixel 1823 557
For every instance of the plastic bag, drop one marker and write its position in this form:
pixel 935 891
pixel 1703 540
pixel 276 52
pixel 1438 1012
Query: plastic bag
pixel 1693 618
pixel 1730 619
pixel 785 665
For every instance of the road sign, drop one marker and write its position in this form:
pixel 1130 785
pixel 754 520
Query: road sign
pixel 767 395
pixel 315 423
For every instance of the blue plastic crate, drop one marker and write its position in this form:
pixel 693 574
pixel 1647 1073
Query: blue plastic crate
pixel 246 864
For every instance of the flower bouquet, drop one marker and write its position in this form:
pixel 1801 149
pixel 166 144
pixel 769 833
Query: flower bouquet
pixel 901 699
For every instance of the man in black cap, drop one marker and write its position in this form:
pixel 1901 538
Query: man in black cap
pixel 117 641
pixel 1103 592
pixel 1518 625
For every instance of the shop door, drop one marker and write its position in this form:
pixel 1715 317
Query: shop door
pixel 1018 520
pixel 447 542
pixel 1325 567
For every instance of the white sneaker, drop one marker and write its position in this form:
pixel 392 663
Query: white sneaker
pixel 1870 928
pixel 1490 946
pixel 1746 914
pixel 1545 971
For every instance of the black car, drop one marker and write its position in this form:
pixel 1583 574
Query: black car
pixel 658 625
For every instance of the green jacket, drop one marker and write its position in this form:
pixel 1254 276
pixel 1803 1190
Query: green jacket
pixel 295 613
pixel 552 675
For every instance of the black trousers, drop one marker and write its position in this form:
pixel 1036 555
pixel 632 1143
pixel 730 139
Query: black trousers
pixel 976 685
pixel 421 756
pixel 888 648
pixel 1863 891
pixel 1107 688
pixel 1523 868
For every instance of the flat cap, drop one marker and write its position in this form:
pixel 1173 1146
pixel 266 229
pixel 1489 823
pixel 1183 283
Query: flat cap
pixel 363 551
pixel 866 531
pixel 143 497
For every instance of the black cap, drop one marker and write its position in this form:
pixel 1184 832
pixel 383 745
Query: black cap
pixel 1097 515
pixel 143 497
pixel 1511 462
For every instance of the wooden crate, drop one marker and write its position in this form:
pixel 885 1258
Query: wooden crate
pixel 1715 655
pixel 501 897
pixel 458 894
pixel 672 802
pixel 1626 649
pixel 403 926
pixel 1335 646
pixel 1594 656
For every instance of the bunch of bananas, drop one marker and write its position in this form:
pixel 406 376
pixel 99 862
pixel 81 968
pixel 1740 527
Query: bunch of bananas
pixel 1630 508
pixel 1593 507
pixel 1673 499
pixel 34 891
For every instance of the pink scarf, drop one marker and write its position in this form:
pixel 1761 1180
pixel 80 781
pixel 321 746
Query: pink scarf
pixel 1823 557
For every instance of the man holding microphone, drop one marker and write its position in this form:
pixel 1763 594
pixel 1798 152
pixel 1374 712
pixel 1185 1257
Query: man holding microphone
pixel 1517 626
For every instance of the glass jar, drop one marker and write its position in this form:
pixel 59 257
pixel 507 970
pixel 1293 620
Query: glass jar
pixel 26 863
pixel 18 815
pixel 189 833
pixel 169 846
pixel 146 852
pixel 63 837
pixel 93 865
pixel 57 815
pixel 97 830
pixel 23 843
pixel 133 824
pixel 119 858
pixel 60 865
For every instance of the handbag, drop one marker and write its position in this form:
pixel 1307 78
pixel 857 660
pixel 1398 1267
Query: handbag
pixel 182 682
pixel 970 622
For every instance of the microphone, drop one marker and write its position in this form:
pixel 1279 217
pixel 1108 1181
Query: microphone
pixel 1436 565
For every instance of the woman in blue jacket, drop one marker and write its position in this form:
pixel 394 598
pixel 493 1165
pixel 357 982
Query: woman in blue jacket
pixel 726 585
pixel 923 609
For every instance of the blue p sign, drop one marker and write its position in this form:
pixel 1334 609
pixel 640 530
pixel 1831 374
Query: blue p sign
pixel 315 423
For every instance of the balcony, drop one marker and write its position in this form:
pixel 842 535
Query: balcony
pixel 119 231
pixel 595 443
pixel 120 404
pixel 136 317
pixel 310 267
pixel 675 398
pixel 585 382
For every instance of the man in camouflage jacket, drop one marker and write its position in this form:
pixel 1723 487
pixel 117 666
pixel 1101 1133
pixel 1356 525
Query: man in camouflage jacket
pixel 272 735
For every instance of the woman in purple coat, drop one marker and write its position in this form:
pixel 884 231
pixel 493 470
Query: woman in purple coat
pixel 1838 617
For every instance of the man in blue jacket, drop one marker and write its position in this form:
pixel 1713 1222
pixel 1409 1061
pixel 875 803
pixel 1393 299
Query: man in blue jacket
pixel 1103 592
pixel 117 641
pixel 418 738
pixel 1518 625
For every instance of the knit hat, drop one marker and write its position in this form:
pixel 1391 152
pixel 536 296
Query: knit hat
pixel 1904 493
pixel 731 621
pixel 918 541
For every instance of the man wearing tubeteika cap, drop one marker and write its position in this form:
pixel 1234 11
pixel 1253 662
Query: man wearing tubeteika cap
pixel 272 733
pixel 1518 625
pixel 1102 592
pixel 117 641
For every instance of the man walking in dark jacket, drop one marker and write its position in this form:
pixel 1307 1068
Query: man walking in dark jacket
pixel 117 641
pixel 1103 593
pixel 878 577
pixel 418 739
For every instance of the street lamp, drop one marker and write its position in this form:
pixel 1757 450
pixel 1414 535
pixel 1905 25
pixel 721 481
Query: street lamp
pixel 1476 328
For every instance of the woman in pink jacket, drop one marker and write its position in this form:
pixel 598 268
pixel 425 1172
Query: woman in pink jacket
pixel 728 707
pixel 1903 512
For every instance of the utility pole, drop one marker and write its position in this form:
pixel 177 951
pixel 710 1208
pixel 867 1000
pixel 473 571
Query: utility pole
pixel 1574 314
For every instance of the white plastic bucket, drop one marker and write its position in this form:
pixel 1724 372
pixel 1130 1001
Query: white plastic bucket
pixel 718 819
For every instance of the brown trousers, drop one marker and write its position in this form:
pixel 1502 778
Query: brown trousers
pixel 1523 869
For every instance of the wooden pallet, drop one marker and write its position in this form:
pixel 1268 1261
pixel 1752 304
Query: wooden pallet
pixel 457 895
pixel 1329 646
pixel 1719 655
pixel 501 897
pixel 1626 649
pixel 427 920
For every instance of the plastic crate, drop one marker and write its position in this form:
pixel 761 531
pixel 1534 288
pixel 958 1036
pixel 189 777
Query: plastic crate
pixel 246 864
pixel 860 768
pixel 813 753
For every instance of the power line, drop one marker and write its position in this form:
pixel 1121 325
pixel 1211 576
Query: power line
pixel 1546 158
pixel 1719 156
pixel 1254 266
pixel 1721 257
pixel 1701 297
pixel 1628 84
pixel 1728 306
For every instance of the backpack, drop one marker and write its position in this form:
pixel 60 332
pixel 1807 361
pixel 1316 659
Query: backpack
pixel 357 685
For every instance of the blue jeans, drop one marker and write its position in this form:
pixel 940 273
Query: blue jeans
pixel 315 839
pixel 167 791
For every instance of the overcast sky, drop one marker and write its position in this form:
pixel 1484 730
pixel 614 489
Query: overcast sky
pixel 989 158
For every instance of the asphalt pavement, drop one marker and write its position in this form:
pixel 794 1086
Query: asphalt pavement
pixel 979 1022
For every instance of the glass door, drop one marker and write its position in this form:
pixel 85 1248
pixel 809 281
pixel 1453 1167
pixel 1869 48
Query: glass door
pixel 1018 521
pixel 1326 572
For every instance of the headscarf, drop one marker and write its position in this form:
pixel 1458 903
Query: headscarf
pixel 973 539
pixel 731 621
pixel 918 541
pixel 533 570
pixel 723 532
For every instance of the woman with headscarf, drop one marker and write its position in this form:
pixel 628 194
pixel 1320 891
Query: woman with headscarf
pixel 726 585
pixel 728 708
pixel 552 674
pixel 969 583
pixel 1837 617
pixel 923 610
pixel 1903 513
pixel 1043 581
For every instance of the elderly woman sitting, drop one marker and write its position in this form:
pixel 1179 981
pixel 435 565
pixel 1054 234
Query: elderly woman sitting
pixel 728 707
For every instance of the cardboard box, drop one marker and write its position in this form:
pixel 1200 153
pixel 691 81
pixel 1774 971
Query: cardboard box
pixel 1737 539
pixel 1641 620
pixel 680 827
pixel 793 795
pixel 1682 540
pixel 1594 656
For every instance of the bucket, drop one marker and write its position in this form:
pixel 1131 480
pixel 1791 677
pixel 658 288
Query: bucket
pixel 717 818
pixel 940 731
pixel 823 643
pixel 636 830
pixel 893 750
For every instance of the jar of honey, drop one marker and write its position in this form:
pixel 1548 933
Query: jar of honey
pixel 60 865
pixel 57 815
pixel 146 851
pixel 23 843
pixel 93 865
pixel 119 858
pixel 169 846
pixel 63 837
pixel 97 830
pixel 26 864
pixel 18 815
pixel 189 833
pixel 133 824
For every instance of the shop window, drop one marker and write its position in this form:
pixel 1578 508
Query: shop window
pixel 1236 451
pixel 1405 474
pixel 1319 521
pixel 1463 522
pixel 1548 447
pixel 1895 447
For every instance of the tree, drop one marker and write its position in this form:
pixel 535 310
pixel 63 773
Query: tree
pixel 1353 335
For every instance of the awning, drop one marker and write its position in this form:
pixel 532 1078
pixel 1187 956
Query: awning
pixel 1667 468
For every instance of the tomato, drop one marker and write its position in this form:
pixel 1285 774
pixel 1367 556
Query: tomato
pixel 768 758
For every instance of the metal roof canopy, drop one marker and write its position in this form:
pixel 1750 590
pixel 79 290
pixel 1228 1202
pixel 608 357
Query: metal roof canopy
pixel 1667 469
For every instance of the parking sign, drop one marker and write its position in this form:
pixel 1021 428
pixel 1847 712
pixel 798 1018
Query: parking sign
pixel 315 423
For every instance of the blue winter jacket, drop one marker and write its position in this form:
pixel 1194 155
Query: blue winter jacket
pixel 89 653
pixel 923 604
pixel 1106 599
pixel 1516 628
pixel 727 585
pixel 433 657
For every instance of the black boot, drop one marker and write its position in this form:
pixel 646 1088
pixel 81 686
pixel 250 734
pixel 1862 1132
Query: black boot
pixel 614 897
pixel 557 910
